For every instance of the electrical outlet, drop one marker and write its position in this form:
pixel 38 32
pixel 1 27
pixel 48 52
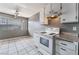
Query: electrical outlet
pixel 74 28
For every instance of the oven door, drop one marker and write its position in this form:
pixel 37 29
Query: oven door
pixel 46 44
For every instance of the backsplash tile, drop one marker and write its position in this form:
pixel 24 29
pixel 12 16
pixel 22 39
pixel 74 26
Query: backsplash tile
pixel 68 27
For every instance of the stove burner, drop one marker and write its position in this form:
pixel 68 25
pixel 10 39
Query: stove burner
pixel 51 33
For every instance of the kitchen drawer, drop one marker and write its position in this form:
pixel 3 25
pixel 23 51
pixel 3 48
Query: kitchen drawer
pixel 64 51
pixel 69 45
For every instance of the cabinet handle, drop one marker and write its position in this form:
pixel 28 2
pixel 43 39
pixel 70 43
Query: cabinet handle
pixel 63 49
pixel 63 44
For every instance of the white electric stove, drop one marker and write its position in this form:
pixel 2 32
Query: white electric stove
pixel 47 42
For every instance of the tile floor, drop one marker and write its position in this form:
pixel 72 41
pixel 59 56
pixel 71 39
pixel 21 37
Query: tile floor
pixel 18 46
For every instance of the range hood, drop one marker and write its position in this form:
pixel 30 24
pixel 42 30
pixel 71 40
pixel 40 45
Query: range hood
pixel 54 14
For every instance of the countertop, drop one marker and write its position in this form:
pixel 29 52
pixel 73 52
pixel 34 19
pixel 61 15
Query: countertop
pixel 44 35
pixel 68 37
pixel 71 37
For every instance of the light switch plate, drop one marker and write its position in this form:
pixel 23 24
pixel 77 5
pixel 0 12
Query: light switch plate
pixel 74 28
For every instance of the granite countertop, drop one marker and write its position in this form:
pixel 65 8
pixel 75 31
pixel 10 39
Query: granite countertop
pixel 68 37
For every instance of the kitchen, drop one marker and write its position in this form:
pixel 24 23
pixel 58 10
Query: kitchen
pixel 51 29
pixel 66 40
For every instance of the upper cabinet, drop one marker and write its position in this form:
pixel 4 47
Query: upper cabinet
pixel 47 9
pixel 52 7
pixel 69 13
pixel 55 7
pixel 45 12
pixel 43 19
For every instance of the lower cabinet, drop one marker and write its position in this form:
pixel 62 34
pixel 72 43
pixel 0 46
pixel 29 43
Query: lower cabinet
pixel 62 47
pixel 36 38
pixel 66 48
pixel 64 51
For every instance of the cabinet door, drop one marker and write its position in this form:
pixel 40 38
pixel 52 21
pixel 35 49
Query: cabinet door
pixel 69 13
pixel 43 19
pixel 55 7
pixel 47 10
pixel 36 38
pixel 64 51
pixel 69 45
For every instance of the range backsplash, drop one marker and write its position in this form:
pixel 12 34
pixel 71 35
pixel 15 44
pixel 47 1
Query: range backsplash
pixel 68 27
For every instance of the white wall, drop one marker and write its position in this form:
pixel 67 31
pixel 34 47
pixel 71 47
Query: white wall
pixel 12 27
pixel 34 24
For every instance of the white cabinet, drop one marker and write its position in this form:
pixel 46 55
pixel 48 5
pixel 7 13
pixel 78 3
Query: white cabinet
pixel 36 38
pixel 66 48
pixel 68 45
pixel 64 51
pixel 47 9
pixel 44 12
pixel 69 13
pixel 43 19
pixel 55 7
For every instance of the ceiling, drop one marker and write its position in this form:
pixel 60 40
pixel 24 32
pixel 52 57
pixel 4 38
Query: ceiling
pixel 25 9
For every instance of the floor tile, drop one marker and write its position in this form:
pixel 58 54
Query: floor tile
pixel 18 46
pixel 3 48
pixel 12 49
pixel 12 53
pixel 22 52
pixel 34 51
pixel 4 51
